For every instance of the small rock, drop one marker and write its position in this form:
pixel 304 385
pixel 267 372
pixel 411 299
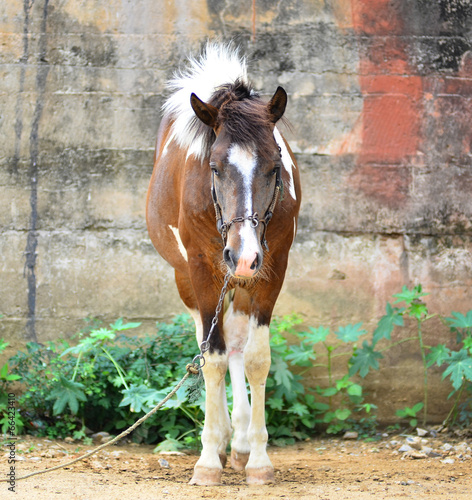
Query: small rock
pixel 421 432
pixel 414 442
pixel 164 463
pixel 174 453
pixel 447 461
pixel 415 455
pixel 351 435
pixel 69 439
pixel 405 448
pixel 101 437
pixel 462 447
pixel 447 447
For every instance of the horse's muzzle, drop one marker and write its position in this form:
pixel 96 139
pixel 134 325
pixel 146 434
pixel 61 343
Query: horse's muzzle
pixel 245 266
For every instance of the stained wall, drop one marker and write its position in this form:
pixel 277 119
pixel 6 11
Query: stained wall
pixel 380 105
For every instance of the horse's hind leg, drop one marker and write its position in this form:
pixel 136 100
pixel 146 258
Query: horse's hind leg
pixel 236 327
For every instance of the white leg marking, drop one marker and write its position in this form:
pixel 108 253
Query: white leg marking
pixel 182 249
pixel 257 364
pixel 217 429
pixel 286 161
pixel 198 324
pixel 236 330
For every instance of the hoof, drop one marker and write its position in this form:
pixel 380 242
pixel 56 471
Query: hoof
pixel 239 460
pixel 204 476
pixel 262 475
pixel 223 459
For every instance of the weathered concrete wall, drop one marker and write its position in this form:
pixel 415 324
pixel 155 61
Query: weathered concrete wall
pixel 380 103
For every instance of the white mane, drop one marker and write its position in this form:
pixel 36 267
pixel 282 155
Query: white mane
pixel 217 66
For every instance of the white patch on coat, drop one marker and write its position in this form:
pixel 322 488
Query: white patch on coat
pixel 286 161
pixel 182 249
pixel 167 144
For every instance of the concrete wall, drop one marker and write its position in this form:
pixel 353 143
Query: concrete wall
pixel 380 104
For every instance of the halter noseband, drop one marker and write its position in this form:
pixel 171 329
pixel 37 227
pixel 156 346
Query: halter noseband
pixel 223 227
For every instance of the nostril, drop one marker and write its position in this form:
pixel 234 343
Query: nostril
pixel 255 262
pixel 228 257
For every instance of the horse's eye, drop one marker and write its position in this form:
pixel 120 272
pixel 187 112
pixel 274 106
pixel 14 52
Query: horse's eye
pixel 214 168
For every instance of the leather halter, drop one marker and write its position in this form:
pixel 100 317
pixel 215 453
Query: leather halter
pixel 223 227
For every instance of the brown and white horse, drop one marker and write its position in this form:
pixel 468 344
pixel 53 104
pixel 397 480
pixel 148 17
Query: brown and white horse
pixel 219 165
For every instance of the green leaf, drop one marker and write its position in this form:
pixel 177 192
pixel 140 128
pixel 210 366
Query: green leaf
pixel 364 359
pixel 137 397
pixel 460 368
pixel 118 326
pixel 438 354
pixel 320 406
pixel 299 409
pixel 458 320
pixel 418 407
pixel 316 335
pixel 67 393
pixel 409 412
pixel 328 392
pixel 282 375
pixel 3 344
pixel 102 334
pixel 409 296
pixel 275 403
pixel 342 413
pixel 350 333
pixel 300 355
pixel 394 317
pixel 354 390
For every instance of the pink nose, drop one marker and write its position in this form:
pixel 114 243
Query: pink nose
pixel 247 265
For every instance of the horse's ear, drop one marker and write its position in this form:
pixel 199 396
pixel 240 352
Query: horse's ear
pixel 277 104
pixel 207 113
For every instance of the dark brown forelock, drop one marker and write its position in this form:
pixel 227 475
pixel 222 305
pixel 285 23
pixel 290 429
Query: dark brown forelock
pixel 244 117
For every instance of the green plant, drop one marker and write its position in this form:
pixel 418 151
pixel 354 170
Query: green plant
pixel 296 410
pixel 458 367
pixel 410 413
pixel 108 380
pixel 6 378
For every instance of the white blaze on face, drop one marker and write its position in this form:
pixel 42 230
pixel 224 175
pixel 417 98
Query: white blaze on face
pixel 245 161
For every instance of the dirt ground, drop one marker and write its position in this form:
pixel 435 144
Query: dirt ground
pixel 328 469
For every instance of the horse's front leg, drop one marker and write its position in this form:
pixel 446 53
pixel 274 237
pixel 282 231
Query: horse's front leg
pixel 259 469
pixel 217 428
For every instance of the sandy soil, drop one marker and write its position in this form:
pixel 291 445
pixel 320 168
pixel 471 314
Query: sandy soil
pixel 328 469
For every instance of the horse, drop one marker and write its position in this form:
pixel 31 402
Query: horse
pixel 222 172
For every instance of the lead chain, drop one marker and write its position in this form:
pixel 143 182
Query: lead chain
pixel 205 345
